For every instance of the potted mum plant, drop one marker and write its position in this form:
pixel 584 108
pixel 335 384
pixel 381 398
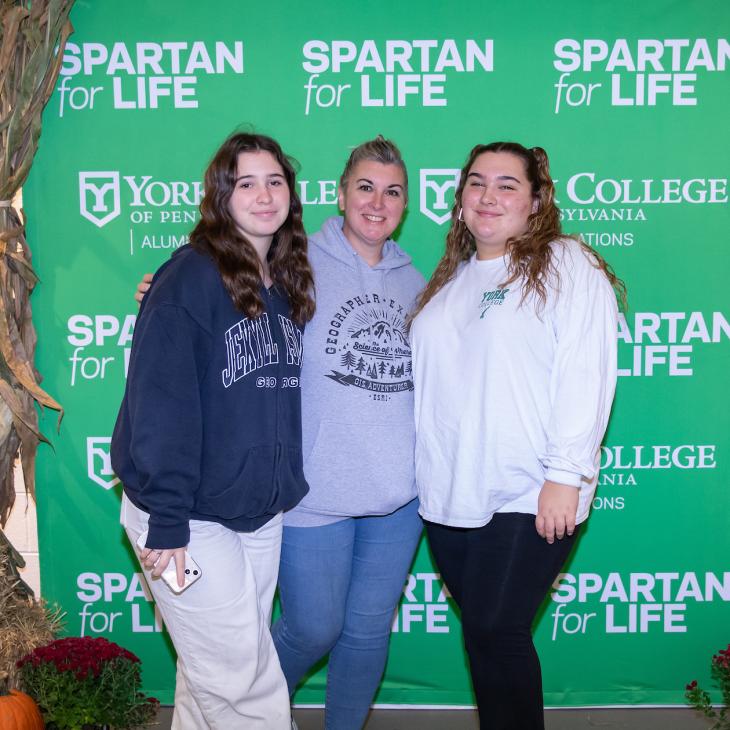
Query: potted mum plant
pixel 700 699
pixel 86 683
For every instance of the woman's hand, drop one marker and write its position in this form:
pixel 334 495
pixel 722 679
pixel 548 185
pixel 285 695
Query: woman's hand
pixel 557 507
pixel 158 560
pixel 142 288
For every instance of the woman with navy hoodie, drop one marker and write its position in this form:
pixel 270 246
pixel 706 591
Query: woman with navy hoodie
pixel 348 545
pixel 208 439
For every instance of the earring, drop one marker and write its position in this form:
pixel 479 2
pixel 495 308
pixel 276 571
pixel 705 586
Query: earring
pixel 461 216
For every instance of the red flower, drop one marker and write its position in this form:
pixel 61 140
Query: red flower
pixel 84 656
pixel 692 685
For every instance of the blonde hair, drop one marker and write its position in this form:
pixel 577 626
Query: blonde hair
pixel 375 150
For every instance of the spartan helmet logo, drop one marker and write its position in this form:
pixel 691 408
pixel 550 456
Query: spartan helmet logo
pixel 99 196
pixel 437 193
pixel 99 461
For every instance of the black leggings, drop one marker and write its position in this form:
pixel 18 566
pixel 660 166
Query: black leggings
pixel 498 575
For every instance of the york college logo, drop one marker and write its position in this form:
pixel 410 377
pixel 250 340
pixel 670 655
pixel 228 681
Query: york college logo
pixel 99 198
pixel 99 461
pixel 435 185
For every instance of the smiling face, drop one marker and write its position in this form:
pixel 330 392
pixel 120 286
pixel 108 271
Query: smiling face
pixel 373 201
pixel 497 200
pixel 259 203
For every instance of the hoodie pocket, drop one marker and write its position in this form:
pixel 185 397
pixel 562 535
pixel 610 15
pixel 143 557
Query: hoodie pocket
pixel 357 468
pixel 292 484
pixel 270 481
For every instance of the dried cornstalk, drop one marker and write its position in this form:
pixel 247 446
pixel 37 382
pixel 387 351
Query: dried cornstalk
pixel 34 33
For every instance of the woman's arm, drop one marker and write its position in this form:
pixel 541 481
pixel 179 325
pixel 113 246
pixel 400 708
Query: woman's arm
pixel 164 420
pixel 582 387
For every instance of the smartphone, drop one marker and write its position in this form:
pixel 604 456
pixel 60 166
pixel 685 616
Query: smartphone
pixel 169 575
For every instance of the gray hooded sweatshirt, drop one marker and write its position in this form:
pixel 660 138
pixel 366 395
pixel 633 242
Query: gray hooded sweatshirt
pixel 357 383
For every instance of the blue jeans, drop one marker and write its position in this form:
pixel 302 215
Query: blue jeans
pixel 339 586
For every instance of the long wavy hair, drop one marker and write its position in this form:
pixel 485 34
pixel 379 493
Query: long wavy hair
pixel 217 235
pixel 530 256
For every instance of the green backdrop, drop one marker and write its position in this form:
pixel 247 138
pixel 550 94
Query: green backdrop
pixel 630 100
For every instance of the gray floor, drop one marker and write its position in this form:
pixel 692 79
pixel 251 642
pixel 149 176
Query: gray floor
pixel 578 719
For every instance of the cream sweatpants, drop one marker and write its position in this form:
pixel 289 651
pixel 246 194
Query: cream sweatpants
pixel 228 674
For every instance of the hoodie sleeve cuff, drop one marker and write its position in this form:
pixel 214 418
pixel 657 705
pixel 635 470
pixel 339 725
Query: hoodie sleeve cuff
pixel 168 537
pixel 563 477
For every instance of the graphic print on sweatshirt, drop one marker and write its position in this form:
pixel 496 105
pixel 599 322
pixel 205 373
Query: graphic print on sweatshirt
pixel 250 346
pixel 494 298
pixel 368 347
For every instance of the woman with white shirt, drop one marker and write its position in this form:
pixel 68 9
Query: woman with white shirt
pixel 514 351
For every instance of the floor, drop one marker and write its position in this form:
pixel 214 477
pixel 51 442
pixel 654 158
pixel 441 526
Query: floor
pixel 575 719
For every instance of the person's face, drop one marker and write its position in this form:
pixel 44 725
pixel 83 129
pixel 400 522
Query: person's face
pixel 259 204
pixel 497 200
pixel 373 202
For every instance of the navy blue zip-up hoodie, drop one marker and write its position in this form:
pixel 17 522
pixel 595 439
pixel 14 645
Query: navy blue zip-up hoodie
pixel 210 425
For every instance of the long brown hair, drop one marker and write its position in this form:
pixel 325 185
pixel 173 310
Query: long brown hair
pixel 530 254
pixel 217 235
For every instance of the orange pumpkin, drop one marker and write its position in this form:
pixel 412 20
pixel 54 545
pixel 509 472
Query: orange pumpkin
pixel 18 711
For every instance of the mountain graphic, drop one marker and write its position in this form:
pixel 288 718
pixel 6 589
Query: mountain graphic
pixel 381 332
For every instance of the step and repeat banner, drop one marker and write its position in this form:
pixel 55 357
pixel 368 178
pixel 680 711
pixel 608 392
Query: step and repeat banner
pixel 632 102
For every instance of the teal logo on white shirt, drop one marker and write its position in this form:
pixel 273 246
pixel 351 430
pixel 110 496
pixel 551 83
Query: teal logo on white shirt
pixel 491 299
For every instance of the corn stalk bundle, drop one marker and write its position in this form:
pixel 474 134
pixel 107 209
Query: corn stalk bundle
pixel 34 33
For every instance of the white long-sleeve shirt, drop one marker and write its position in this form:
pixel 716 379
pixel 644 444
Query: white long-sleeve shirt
pixel 508 395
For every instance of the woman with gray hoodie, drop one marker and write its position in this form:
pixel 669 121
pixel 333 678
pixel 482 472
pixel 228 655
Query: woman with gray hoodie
pixel 348 545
